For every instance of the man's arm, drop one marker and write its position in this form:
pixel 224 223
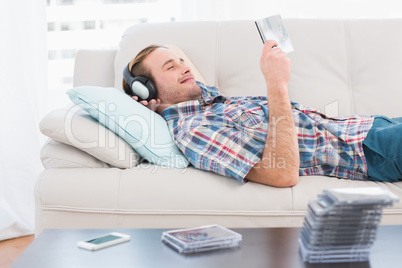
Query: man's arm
pixel 279 165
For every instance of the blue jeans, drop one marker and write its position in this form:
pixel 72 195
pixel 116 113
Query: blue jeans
pixel 383 149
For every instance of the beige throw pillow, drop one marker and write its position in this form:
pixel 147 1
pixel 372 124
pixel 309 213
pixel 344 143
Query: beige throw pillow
pixel 73 126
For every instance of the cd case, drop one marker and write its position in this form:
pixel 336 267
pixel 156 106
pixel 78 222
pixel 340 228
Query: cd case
pixel 341 225
pixel 272 28
pixel 202 238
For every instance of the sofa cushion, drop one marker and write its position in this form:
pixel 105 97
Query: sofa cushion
pixel 55 154
pixel 74 127
pixel 145 130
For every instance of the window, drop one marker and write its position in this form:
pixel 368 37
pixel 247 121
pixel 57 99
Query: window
pixel 93 24
pixel 99 24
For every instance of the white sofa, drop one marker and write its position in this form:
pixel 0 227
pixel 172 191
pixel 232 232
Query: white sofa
pixel 340 67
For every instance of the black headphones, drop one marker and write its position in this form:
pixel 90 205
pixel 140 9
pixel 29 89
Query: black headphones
pixel 140 86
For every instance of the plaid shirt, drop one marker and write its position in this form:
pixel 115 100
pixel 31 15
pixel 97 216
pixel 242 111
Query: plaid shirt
pixel 227 135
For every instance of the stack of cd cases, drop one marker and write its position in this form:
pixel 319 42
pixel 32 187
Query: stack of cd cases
pixel 201 239
pixel 341 225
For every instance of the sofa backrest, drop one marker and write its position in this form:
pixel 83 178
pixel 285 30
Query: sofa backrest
pixel 341 67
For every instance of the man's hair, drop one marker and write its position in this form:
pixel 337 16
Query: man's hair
pixel 137 67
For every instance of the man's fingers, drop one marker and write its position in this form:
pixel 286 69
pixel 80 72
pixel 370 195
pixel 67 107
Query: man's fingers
pixel 269 45
pixel 152 104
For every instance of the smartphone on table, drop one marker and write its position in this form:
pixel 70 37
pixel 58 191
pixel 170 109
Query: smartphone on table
pixel 103 241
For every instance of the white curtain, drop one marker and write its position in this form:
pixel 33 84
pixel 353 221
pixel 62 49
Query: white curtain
pixel 23 82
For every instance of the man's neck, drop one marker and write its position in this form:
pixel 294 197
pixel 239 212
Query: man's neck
pixel 162 107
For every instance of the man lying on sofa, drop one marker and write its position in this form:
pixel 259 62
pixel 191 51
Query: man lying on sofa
pixel 238 137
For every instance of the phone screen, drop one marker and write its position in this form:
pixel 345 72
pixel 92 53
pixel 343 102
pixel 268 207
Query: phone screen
pixel 103 239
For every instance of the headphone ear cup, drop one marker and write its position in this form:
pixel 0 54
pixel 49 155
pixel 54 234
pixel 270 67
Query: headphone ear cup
pixel 143 88
pixel 153 93
pixel 140 86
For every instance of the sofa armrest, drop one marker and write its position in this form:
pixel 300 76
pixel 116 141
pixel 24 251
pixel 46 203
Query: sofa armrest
pixel 94 67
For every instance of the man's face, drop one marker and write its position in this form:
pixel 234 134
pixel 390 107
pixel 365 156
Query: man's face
pixel 173 79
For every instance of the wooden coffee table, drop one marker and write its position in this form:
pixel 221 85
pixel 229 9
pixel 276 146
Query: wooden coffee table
pixel 260 247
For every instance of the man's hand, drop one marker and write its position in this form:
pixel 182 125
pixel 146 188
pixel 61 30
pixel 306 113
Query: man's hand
pixel 152 104
pixel 275 65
